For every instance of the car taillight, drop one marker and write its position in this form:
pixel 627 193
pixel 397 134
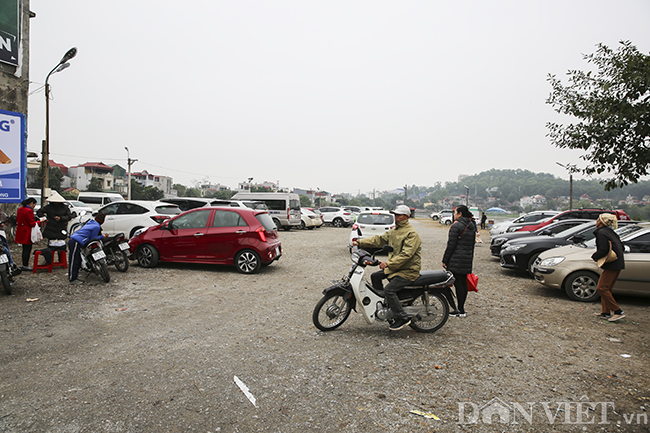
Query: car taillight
pixel 159 218
pixel 262 233
pixel 355 226
pixel 346 213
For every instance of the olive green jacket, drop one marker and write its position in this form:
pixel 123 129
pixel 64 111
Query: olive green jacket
pixel 406 258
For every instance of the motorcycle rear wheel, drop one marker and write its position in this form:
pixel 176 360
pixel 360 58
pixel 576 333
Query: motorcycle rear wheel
pixel 6 283
pixel 434 312
pixel 102 270
pixel 331 311
pixel 121 261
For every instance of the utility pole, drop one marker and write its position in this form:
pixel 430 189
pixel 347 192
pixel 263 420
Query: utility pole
pixel 406 193
pixel 129 162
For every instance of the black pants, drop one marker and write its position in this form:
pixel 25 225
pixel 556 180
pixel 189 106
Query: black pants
pixel 74 259
pixel 27 252
pixel 395 284
pixel 461 292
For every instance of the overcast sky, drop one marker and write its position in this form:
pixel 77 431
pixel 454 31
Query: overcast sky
pixel 345 96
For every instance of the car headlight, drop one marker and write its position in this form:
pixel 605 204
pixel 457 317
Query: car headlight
pixel 551 261
pixel 515 247
pixel 139 231
pixel 499 241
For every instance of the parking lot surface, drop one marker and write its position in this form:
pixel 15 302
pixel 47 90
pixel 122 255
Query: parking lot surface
pixel 158 350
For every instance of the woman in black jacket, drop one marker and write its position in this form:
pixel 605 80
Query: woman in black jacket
pixel 459 255
pixel 604 237
pixel 58 215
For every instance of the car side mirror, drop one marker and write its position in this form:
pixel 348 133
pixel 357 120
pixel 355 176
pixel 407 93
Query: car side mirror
pixel 578 239
pixel 546 233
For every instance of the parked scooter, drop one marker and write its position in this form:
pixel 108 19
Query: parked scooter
pixel 425 301
pixel 93 260
pixel 117 252
pixel 8 269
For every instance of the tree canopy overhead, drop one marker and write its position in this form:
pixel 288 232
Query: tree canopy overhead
pixel 612 106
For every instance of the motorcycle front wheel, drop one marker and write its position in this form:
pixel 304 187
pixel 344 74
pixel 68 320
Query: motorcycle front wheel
pixel 6 283
pixel 121 261
pixel 331 311
pixel 432 312
pixel 102 270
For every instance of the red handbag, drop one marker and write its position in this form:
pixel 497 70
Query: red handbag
pixel 472 283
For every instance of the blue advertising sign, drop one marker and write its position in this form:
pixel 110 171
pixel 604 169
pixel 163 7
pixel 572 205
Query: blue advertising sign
pixel 13 161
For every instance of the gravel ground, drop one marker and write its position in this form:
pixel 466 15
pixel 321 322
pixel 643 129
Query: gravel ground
pixel 157 350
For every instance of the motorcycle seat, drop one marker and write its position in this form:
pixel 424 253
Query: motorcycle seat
pixel 431 277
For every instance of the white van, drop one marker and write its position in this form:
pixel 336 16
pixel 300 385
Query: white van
pixel 98 199
pixel 284 207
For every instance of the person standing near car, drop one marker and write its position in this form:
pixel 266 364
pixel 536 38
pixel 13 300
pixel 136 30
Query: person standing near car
pixel 606 236
pixel 90 231
pixel 25 221
pixel 483 219
pixel 459 256
pixel 403 265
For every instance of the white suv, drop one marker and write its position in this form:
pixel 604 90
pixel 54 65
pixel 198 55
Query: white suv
pixel 336 216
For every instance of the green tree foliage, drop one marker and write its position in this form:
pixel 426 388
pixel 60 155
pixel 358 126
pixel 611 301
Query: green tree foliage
pixel 54 179
pixel 221 194
pixel 612 106
pixel 139 192
pixel 95 185
pixel 181 189
pixel 305 201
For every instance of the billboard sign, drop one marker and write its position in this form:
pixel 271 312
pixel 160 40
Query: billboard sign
pixel 13 160
pixel 9 31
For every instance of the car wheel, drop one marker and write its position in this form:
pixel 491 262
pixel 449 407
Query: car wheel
pixel 448 222
pixel 248 262
pixel 302 225
pixel 581 286
pixel 277 223
pixel 135 229
pixel 338 222
pixel 147 256
pixel 435 217
pixel 531 262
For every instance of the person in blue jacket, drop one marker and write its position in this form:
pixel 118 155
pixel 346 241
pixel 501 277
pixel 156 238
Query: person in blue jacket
pixel 90 231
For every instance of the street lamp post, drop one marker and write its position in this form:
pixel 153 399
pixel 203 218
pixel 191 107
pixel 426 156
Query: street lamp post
pixel 570 183
pixel 129 161
pixel 45 163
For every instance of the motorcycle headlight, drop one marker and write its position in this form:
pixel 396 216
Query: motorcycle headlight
pixel 551 261
pixel 513 248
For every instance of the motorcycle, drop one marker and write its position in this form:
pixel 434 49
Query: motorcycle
pixel 8 269
pixel 425 300
pixel 117 252
pixel 93 260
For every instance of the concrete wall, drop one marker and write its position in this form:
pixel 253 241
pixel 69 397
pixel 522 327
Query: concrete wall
pixel 14 82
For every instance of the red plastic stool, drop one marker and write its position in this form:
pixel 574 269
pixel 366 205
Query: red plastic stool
pixel 63 261
pixel 37 254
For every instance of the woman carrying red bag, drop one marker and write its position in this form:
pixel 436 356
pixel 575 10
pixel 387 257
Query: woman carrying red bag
pixel 24 223
pixel 459 256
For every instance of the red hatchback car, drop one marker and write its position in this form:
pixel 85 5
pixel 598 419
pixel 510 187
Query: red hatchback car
pixel 246 238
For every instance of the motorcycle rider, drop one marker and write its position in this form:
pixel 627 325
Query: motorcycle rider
pixel 90 231
pixel 403 265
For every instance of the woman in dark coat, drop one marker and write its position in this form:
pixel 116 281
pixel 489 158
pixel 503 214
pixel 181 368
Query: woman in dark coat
pixel 604 237
pixel 459 255
pixel 58 215
pixel 24 223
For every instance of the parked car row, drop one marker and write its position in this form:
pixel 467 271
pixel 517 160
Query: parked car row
pixel 558 253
